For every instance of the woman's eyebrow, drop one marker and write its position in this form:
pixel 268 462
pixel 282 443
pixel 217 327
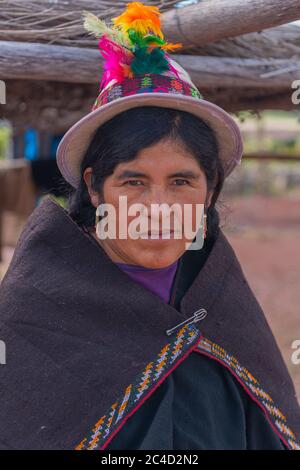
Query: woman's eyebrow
pixel 185 174
pixel 130 174
pixel 138 174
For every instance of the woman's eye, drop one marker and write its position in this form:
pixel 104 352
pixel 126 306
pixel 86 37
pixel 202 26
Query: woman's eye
pixel 181 182
pixel 133 182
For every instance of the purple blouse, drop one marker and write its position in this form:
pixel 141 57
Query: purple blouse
pixel 159 280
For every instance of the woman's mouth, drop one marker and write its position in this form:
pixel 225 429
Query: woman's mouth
pixel 159 235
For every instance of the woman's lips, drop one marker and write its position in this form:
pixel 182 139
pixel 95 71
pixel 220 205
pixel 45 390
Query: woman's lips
pixel 159 235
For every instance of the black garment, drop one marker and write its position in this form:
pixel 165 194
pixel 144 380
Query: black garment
pixel 85 342
pixel 200 405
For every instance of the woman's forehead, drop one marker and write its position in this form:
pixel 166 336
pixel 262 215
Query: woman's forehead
pixel 166 156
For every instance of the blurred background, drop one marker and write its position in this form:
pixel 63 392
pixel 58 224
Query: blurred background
pixel 247 64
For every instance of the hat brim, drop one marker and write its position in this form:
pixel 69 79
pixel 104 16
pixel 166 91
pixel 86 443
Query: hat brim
pixel 75 142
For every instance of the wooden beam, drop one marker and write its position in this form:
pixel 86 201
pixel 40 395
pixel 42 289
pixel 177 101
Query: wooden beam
pixel 210 21
pixel 212 72
pixel 30 61
pixel 33 61
pixel 279 42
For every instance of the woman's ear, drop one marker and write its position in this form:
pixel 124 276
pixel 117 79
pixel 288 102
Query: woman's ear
pixel 208 199
pixel 94 196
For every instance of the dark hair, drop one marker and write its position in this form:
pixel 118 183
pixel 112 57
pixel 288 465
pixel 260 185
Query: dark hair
pixel 122 137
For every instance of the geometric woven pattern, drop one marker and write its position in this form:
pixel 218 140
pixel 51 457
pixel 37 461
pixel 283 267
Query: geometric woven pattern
pixel 187 339
pixel 147 83
pixel 274 415
pixel 136 393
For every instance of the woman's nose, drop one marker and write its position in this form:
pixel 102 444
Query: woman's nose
pixel 157 194
pixel 160 205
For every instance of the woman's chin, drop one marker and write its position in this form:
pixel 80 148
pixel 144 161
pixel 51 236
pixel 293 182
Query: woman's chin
pixel 157 255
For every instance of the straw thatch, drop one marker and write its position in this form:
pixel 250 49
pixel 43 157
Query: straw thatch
pixel 58 22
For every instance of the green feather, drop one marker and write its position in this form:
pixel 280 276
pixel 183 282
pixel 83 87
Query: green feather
pixel 142 41
pixel 145 62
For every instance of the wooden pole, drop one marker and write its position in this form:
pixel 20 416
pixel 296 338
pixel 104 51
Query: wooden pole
pixel 279 42
pixel 31 61
pixel 212 20
pixel 35 61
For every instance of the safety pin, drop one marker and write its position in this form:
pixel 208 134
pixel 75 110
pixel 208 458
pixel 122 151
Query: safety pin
pixel 198 315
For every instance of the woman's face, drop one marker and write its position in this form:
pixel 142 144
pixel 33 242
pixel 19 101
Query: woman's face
pixel 162 173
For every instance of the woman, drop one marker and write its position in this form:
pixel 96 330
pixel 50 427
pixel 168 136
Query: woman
pixel 122 343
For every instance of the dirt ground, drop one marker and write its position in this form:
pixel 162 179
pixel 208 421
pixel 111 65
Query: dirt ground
pixel 265 234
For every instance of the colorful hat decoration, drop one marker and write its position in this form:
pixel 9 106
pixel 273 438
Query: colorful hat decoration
pixel 138 71
pixel 133 45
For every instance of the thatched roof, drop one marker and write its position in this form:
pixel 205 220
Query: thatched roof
pixel 240 57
